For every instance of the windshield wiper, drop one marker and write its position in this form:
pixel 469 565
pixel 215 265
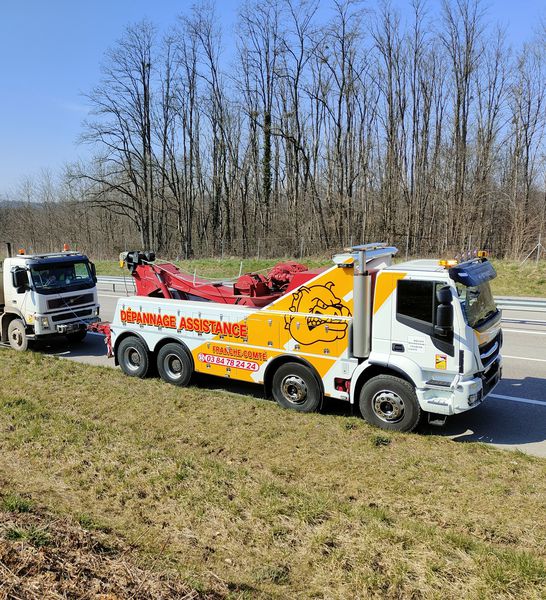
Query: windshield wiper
pixel 487 315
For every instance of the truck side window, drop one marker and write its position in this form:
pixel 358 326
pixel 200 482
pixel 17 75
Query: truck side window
pixel 415 299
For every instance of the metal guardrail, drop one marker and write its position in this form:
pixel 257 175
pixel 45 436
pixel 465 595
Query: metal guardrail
pixel 116 284
pixel 521 304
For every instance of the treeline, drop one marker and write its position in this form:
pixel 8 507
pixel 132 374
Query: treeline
pixel 304 131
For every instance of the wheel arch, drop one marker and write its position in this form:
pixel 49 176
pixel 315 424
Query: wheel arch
pixel 373 370
pixel 124 336
pixel 5 319
pixel 278 361
pixel 172 340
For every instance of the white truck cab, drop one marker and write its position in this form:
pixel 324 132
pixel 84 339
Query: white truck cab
pixel 437 325
pixel 46 295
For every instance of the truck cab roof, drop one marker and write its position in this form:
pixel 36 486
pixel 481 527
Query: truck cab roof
pixel 49 258
pixel 424 264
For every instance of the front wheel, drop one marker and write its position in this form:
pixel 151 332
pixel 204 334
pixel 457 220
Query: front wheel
pixel 17 336
pixel 132 356
pixel 390 403
pixel 296 387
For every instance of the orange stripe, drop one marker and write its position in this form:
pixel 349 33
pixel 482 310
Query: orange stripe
pixel 384 287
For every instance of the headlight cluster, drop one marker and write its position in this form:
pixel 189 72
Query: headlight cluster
pixel 44 322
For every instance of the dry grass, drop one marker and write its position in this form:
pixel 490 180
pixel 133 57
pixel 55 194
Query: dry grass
pixel 255 502
pixel 513 279
pixel 46 556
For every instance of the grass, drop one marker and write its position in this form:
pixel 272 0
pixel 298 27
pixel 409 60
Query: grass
pixel 512 279
pixel 241 497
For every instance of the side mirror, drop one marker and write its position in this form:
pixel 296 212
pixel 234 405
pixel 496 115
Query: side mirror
pixel 443 325
pixel 93 271
pixel 444 295
pixel 19 278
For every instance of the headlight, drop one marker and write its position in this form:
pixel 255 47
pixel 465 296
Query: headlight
pixel 44 322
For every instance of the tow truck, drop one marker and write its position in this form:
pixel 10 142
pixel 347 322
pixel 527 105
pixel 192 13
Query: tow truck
pixel 405 342
pixel 44 296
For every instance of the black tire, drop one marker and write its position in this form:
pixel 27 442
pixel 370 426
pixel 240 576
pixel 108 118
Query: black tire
pixel 174 364
pixel 296 387
pixel 17 335
pixel 390 403
pixel 133 358
pixel 77 336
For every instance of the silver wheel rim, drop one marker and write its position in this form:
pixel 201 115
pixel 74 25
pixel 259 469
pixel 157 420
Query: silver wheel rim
pixel 173 366
pixel 17 337
pixel 133 359
pixel 294 389
pixel 388 406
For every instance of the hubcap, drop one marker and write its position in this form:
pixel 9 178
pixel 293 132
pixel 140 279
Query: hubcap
pixel 133 358
pixel 17 337
pixel 388 406
pixel 294 389
pixel 173 366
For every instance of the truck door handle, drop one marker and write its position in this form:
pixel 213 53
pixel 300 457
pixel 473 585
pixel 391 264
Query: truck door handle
pixel 398 348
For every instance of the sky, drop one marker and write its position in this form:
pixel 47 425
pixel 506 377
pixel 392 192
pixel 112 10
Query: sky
pixel 50 54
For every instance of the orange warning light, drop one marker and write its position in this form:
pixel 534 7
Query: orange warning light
pixel 448 263
pixel 66 247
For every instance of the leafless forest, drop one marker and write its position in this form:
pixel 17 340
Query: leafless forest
pixel 301 131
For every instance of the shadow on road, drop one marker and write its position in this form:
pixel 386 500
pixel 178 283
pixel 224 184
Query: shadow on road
pixel 92 346
pixel 500 421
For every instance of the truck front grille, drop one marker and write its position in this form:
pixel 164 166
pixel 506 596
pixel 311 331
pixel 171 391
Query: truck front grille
pixel 70 301
pixel 489 352
pixel 72 315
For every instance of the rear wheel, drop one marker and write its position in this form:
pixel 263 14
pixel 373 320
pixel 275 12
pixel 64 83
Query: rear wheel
pixel 390 403
pixel 295 386
pixel 174 364
pixel 132 356
pixel 17 335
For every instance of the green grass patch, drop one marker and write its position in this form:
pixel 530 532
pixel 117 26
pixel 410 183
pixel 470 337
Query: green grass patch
pixel 232 491
pixel 15 503
pixel 513 279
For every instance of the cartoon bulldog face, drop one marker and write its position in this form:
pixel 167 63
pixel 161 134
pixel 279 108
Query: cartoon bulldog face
pixel 316 302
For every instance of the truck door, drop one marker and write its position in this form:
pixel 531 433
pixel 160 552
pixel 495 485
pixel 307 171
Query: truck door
pixel 415 334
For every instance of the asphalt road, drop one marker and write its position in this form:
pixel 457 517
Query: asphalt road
pixel 514 416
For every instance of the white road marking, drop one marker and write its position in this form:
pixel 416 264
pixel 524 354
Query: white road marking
pixel 530 331
pixel 516 399
pixel 525 358
pixel 101 295
pixel 524 321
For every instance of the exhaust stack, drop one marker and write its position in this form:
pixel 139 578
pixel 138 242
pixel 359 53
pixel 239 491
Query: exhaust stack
pixel 362 303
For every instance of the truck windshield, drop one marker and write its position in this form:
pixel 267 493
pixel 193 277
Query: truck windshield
pixel 477 302
pixel 58 277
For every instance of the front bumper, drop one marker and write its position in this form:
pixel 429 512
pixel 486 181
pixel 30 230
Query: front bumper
pixel 63 328
pixel 463 395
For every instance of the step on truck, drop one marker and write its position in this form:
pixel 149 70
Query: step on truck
pixel 408 341
pixel 46 296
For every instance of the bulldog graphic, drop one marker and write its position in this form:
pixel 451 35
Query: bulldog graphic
pixel 319 304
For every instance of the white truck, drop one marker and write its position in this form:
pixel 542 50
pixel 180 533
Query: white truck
pixel 46 295
pixel 403 341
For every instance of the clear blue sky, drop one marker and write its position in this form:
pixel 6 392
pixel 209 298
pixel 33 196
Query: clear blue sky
pixel 50 52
